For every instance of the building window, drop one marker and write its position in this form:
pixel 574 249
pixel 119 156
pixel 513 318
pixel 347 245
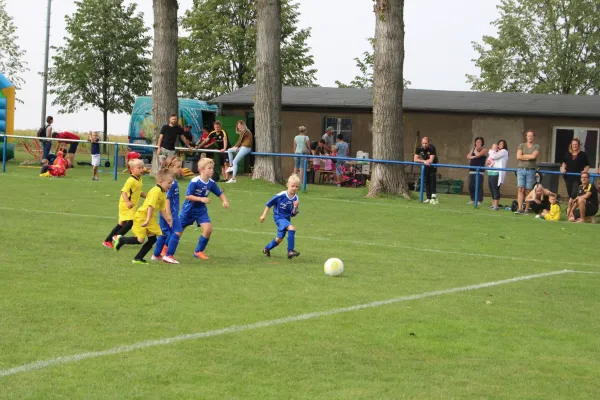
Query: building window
pixel 562 137
pixel 340 125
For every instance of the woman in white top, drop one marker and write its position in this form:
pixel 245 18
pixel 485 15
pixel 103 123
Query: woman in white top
pixel 301 146
pixel 497 159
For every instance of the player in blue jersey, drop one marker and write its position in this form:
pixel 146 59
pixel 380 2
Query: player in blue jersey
pixel 168 241
pixel 196 198
pixel 285 206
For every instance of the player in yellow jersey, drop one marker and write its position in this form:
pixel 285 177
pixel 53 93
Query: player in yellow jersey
pixel 128 201
pixel 145 224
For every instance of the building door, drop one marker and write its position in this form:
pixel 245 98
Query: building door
pixel 562 137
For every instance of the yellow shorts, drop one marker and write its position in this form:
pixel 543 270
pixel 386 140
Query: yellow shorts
pixel 141 232
pixel 126 214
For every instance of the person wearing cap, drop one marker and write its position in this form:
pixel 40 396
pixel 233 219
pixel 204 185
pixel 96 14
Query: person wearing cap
pixel 328 138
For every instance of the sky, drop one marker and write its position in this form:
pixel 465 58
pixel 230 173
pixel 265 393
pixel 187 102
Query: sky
pixel 437 45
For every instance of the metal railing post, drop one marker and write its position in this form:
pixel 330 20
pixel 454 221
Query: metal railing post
pixel 422 183
pixel 4 147
pixel 305 164
pixel 116 160
pixel 476 201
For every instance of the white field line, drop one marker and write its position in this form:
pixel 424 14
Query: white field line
pixel 355 242
pixel 262 324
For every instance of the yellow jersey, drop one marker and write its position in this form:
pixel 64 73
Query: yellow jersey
pixel 157 199
pixel 554 214
pixel 133 189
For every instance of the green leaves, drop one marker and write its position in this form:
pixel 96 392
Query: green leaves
pixel 104 62
pixel 11 55
pixel 542 46
pixel 219 54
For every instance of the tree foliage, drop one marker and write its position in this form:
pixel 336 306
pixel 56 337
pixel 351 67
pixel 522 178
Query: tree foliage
pixel 12 64
pixel 365 66
pixel 219 55
pixel 103 63
pixel 542 46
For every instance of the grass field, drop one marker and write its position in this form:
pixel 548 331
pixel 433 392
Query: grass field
pixel 63 294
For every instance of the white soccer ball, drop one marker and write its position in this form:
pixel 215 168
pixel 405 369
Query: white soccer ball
pixel 334 267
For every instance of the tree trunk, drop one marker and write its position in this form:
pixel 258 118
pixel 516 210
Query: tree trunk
pixel 388 87
pixel 267 105
pixel 164 67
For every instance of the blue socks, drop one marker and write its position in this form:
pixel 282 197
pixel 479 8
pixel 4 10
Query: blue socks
pixel 291 240
pixel 202 242
pixel 272 245
pixel 160 242
pixel 173 243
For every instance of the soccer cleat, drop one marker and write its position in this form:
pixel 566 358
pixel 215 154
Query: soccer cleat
pixel 228 170
pixel 201 255
pixel 170 260
pixel 164 251
pixel 232 180
pixel 293 254
pixel 108 245
pixel 267 252
pixel 156 258
pixel 140 261
pixel 117 243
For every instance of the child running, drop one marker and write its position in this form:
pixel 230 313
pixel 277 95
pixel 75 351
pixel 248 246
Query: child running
pixel 285 206
pixel 168 241
pixel 144 221
pixel 128 201
pixel 196 198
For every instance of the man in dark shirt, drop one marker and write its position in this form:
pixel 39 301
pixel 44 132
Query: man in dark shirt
pixel 187 132
pixel 219 137
pixel 426 154
pixel 168 137
pixel 586 202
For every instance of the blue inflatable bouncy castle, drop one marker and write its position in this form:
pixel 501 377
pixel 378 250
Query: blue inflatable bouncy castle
pixel 7 114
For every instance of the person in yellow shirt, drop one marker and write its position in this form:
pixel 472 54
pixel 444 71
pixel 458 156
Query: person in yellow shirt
pixel 128 201
pixel 554 213
pixel 144 221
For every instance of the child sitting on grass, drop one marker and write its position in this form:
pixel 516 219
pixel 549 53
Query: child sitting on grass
pixel 46 167
pixel 554 213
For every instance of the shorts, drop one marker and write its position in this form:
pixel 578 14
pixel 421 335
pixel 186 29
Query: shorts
pixel 166 229
pixel 127 215
pixel 95 160
pixel 223 158
pixel 298 162
pixel 526 178
pixel 282 225
pixel 73 147
pixel 142 232
pixel 590 210
pixel 338 168
pixel 199 218
pixel 164 153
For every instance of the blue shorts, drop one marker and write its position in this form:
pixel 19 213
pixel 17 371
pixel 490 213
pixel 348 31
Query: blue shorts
pixel 282 225
pixel 526 178
pixel 200 218
pixel 166 229
pixel 299 162
pixel 338 167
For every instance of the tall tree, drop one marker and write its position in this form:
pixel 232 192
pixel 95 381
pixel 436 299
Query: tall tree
pixel 219 55
pixel 542 46
pixel 365 66
pixel 164 67
pixel 12 64
pixel 103 63
pixel 388 87
pixel 267 106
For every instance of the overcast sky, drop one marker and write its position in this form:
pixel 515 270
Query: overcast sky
pixel 438 47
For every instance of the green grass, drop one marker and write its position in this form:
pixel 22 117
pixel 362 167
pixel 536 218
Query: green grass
pixel 62 293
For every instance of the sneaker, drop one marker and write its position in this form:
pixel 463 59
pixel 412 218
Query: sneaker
pixel 170 260
pixel 139 261
pixel 228 170
pixel 267 252
pixel 470 203
pixel 164 251
pixel 491 207
pixel 201 255
pixel 156 258
pixel 108 245
pixel 293 254
pixel 538 216
pixel 117 243
pixel 434 201
pixel 426 201
pixel 232 180
pixel 495 208
pixel 519 212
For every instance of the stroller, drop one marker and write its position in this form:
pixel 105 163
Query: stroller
pixel 351 177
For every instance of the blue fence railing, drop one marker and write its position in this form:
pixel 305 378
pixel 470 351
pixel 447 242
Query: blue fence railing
pixel 306 157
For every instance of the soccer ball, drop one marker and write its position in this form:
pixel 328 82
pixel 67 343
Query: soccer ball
pixel 334 267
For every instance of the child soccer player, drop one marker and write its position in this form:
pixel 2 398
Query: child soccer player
pixel 554 213
pixel 196 198
pixel 46 167
pixel 144 222
pixel 128 201
pixel 95 151
pixel 168 241
pixel 285 206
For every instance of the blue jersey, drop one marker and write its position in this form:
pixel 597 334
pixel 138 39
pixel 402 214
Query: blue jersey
pixel 173 197
pixel 199 189
pixel 283 206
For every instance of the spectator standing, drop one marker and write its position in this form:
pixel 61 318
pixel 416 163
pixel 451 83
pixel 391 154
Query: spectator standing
pixel 575 161
pixel 527 154
pixel 219 137
pixel 341 150
pixel 328 138
pixel 497 159
pixel 243 147
pixel 187 132
pixel 168 137
pixel 585 203
pixel 426 154
pixel 72 145
pixel 95 152
pixel 301 146
pixel 477 158
pixel 47 144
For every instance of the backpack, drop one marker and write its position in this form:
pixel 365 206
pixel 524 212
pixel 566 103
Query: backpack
pixel 42 131
pixel 515 206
